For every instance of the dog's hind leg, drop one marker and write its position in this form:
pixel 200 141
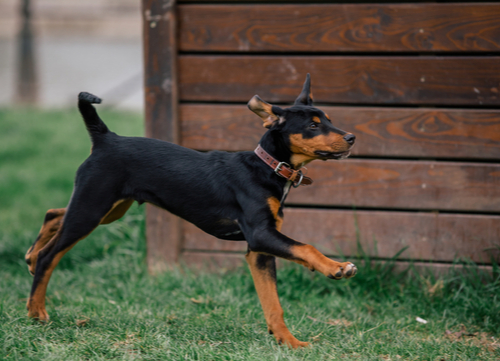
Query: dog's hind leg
pixel 54 220
pixel 51 224
pixel 84 213
pixel 263 269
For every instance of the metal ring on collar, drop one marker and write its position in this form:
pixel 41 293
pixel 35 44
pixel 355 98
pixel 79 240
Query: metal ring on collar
pixel 300 180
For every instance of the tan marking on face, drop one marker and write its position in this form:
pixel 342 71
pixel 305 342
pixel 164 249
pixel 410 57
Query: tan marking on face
pixel 274 206
pixel 327 117
pixel 300 160
pixel 316 120
pixel 303 150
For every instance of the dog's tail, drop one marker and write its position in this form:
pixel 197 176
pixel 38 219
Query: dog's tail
pixel 94 124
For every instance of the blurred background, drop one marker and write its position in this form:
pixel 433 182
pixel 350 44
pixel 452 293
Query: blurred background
pixel 68 46
pixel 417 82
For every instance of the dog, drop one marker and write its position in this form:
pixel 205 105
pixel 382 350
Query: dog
pixel 232 196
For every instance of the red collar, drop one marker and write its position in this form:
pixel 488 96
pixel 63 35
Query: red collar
pixel 283 169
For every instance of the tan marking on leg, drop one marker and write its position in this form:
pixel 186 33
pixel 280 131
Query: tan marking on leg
pixel 46 233
pixel 36 302
pixel 268 296
pixel 274 205
pixel 310 257
pixel 50 228
pixel 117 211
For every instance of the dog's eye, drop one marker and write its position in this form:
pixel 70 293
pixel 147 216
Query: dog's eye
pixel 314 125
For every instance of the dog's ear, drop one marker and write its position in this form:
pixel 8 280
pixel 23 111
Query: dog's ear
pixel 305 97
pixel 269 113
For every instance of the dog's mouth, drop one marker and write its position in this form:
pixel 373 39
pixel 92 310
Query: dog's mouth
pixel 324 155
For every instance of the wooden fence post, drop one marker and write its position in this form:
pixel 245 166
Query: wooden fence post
pixel 163 230
pixel 27 77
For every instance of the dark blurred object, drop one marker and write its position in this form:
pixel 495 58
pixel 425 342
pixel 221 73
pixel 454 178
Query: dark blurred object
pixel 27 80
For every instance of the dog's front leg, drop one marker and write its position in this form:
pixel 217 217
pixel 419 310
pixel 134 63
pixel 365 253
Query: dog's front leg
pixel 270 241
pixel 310 257
pixel 263 269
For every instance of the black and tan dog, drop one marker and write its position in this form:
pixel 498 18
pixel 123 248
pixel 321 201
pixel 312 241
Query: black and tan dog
pixel 232 196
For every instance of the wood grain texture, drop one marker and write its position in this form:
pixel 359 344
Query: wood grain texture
pixel 428 236
pixel 161 112
pixel 344 79
pixel 333 28
pixel 384 132
pixel 402 184
pixel 232 2
pixel 160 70
pixel 214 262
pixel 164 234
pixel 223 262
pixel 228 2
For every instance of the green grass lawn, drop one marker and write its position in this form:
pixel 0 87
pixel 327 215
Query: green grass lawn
pixel 104 305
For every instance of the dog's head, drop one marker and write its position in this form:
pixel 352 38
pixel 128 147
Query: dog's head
pixel 307 131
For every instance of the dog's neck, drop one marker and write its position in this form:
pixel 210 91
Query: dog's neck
pixel 274 144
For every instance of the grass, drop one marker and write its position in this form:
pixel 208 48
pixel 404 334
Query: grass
pixel 104 305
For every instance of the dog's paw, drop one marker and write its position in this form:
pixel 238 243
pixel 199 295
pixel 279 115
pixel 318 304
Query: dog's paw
pixel 284 337
pixel 291 342
pixel 343 270
pixel 39 315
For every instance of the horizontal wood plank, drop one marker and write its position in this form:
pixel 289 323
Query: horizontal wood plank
pixel 403 185
pixel 363 80
pixel 428 236
pixel 222 262
pixel 212 261
pixel 385 132
pixel 333 27
pixel 216 2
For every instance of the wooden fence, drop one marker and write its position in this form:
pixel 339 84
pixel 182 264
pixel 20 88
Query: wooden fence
pixel 417 83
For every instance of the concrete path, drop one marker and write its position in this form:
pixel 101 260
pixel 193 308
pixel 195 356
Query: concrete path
pixel 111 69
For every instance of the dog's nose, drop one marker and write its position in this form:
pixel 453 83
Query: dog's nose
pixel 350 138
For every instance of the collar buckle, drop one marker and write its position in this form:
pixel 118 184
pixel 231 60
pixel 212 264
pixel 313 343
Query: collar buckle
pixel 278 168
pixel 283 169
